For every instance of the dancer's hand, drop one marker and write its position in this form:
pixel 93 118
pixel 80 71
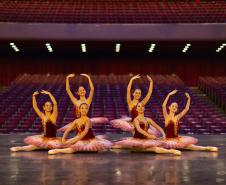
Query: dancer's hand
pixel 45 92
pixel 35 93
pixel 149 78
pixel 135 77
pixel 164 136
pixel 71 75
pixel 187 95
pixel 152 137
pixel 85 75
pixel 173 92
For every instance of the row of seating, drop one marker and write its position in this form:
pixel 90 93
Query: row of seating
pixel 215 88
pixel 113 11
pixel 17 114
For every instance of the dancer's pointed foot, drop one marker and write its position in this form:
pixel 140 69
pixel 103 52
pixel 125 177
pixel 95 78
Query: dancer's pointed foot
pixel 14 149
pixel 212 149
pixel 52 152
pixel 176 152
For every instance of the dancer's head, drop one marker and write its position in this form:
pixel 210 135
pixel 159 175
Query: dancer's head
pixel 83 108
pixel 48 107
pixel 140 108
pixel 137 94
pixel 81 91
pixel 173 107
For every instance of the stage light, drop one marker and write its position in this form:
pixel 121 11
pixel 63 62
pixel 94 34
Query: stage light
pixel 83 47
pixel 49 47
pixel 187 46
pixel 220 47
pixel 13 45
pixel 117 48
pixel 151 48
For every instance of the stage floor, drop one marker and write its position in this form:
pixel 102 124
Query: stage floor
pixel 37 168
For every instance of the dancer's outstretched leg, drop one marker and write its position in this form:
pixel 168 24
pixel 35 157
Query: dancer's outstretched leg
pixel 202 148
pixel 160 150
pixel 27 148
pixel 57 151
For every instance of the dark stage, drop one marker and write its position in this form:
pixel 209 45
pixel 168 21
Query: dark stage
pixel 36 168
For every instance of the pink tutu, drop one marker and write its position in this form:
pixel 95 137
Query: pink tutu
pixel 123 124
pixel 130 143
pixel 94 121
pixel 179 142
pixel 43 142
pixel 91 145
pixel 153 131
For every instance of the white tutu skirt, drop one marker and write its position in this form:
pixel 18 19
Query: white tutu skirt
pixel 179 142
pixel 91 145
pixel 44 142
pixel 94 121
pixel 135 143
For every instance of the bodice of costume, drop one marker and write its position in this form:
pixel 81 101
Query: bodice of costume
pixel 138 134
pixel 134 113
pixel 50 129
pixel 171 130
pixel 89 134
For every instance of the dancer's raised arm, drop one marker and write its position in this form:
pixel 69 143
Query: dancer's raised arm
pixel 148 96
pixel 35 106
pixel 70 94
pixel 55 107
pixel 166 101
pixel 143 132
pixel 155 125
pixel 186 109
pixel 90 98
pixel 129 101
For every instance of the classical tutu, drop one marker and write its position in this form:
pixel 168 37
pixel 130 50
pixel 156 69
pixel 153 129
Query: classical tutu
pixel 125 124
pixel 92 145
pixel 94 121
pixel 130 143
pixel 43 142
pixel 179 142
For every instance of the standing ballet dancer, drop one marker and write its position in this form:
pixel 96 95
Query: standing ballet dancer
pixel 82 99
pixel 126 123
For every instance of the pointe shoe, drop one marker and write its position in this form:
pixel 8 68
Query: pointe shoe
pixel 176 152
pixel 212 149
pixel 52 152
pixel 14 149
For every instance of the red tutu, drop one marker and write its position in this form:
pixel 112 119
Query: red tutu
pixel 96 120
pixel 91 145
pixel 179 142
pixel 44 142
pixel 133 143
